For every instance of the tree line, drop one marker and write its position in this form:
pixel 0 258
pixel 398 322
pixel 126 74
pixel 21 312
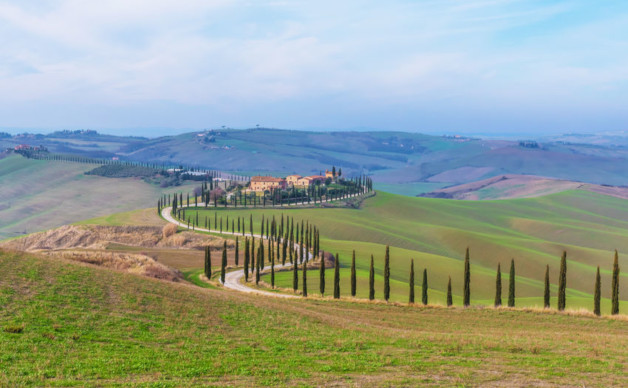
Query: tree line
pixel 254 263
pixel 209 195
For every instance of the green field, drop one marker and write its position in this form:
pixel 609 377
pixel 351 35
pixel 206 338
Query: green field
pixel 36 195
pixel 67 324
pixel 435 232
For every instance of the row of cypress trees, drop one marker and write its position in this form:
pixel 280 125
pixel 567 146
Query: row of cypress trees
pixel 273 240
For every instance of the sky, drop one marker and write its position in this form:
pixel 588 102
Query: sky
pixel 445 66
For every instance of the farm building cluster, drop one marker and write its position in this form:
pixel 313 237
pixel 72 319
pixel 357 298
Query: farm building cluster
pixel 269 183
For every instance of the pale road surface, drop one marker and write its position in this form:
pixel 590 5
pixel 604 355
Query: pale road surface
pixel 233 278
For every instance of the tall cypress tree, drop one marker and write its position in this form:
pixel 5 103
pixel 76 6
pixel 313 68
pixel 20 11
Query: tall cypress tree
pixel 467 280
pixel 272 269
pixel 546 291
pixel 597 293
pixel 247 259
pixel 615 286
pixel 260 250
pixel 387 274
pixel 321 275
pixel 208 263
pixel 511 285
pixel 223 266
pixel 305 279
pixel 337 278
pixel 372 281
pixel 450 299
pixel 353 277
pixel 411 297
pixel 424 287
pixel 237 252
pixel 295 277
pixel 498 286
pixel 562 283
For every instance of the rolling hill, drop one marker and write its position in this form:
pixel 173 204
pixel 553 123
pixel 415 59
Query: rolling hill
pixel 68 324
pixel 401 162
pixel 36 195
pixel 435 232
pixel 520 186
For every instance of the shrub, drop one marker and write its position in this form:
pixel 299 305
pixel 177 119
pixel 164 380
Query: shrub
pixel 169 230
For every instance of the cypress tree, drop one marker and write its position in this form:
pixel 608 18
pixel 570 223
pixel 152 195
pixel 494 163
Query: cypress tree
pixel 546 292
pixel 321 275
pixel 337 278
pixel 295 277
pixel 305 279
pixel 450 299
pixel 387 274
pixel 208 263
pixel 498 286
pixel 467 280
pixel 223 267
pixel 424 287
pixel 272 270
pixel 372 281
pixel 511 285
pixel 237 252
pixel 411 297
pixel 596 297
pixel 247 259
pixel 562 283
pixel 353 279
pixel 615 286
pixel 260 250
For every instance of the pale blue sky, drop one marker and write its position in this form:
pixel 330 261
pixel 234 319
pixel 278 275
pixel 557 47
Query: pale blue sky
pixel 443 66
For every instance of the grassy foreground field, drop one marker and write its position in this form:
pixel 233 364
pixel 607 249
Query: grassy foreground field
pixel 435 232
pixel 66 324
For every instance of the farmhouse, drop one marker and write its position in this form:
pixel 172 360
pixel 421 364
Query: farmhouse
pixel 310 180
pixel 263 183
pixel 292 180
pixel 329 174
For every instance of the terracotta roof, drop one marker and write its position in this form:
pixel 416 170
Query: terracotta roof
pixel 266 179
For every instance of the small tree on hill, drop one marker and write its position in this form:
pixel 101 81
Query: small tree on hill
pixel 272 270
pixel 372 281
pixel 337 278
pixel 424 287
pixel 237 252
pixel 223 266
pixel 498 286
pixel 615 286
pixel 450 299
pixel 247 259
pixel 353 276
pixel 305 278
pixel 208 263
pixel 597 293
pixel 295 276
pixel 546 292
pixel 411 297
pixel 467 280
pixel 387 274
pixel 321 275
pixel 260 249
pixel 562 283
pixel 511 285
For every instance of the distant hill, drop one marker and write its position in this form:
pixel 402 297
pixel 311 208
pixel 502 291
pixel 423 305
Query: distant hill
pixel 36 194
pixel 520 186
pixel 393 159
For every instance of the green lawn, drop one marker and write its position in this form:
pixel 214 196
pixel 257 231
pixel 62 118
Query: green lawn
pixel 435 232
pixel 66 324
